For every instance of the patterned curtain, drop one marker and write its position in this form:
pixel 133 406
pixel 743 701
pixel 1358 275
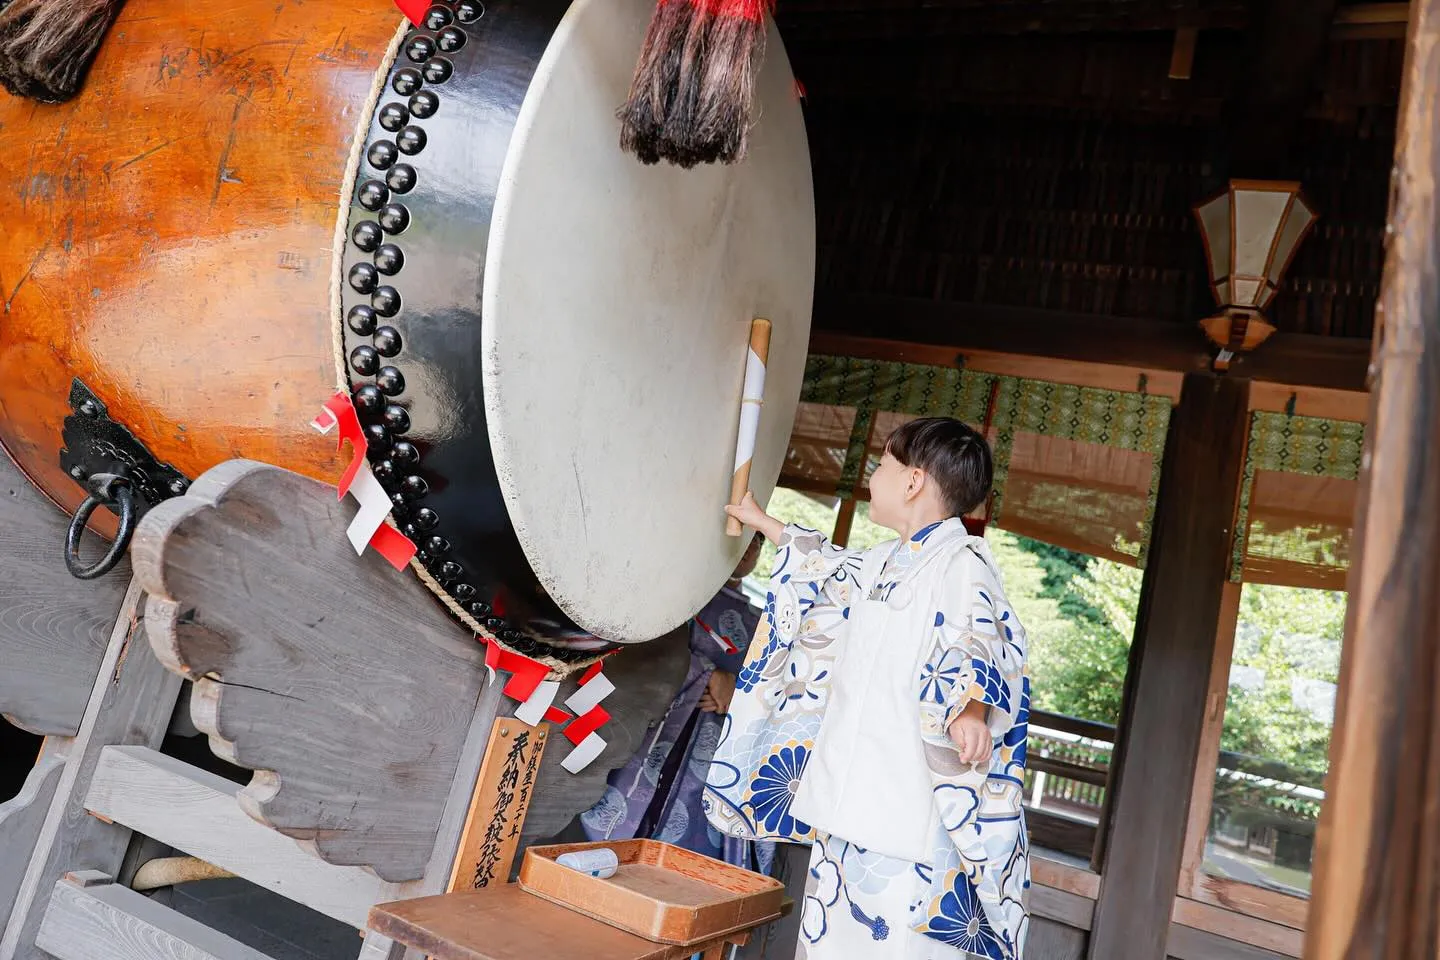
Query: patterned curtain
pixel 1297 500
pixel 1074 466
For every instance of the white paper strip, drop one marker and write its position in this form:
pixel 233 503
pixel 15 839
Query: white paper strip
pixel 585 754
pixel 589 696
pixel 374 508
pixel 532 711
pixel 751 398
pixel 324 421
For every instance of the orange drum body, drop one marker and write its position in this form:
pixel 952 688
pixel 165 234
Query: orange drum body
pixel 171 241
pixel 253 205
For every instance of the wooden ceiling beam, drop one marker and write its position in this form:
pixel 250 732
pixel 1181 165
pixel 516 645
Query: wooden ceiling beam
pixel 1286 47
pixel 1289 359
pixel 822 21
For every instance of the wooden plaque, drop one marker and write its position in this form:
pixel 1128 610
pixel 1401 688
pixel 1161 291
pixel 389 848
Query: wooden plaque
pixel 503 790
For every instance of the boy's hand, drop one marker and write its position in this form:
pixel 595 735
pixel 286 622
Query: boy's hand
pixel 971 734
pixel 719 691
pixel 749 513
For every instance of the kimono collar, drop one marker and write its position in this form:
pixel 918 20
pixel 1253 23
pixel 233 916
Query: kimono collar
pixel 930 539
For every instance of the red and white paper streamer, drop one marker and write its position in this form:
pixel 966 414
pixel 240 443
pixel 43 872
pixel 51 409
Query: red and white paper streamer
pixel 369 527
pixel 414 10
pixel 527 684
pixel 590 716
pixel 724 642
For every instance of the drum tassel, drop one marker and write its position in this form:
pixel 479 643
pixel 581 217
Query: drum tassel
pixel 690 99
pixel 47 46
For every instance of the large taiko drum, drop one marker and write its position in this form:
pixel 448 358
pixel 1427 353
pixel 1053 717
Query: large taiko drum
pixel 251 204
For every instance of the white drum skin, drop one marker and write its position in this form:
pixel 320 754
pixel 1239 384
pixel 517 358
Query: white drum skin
pixel 617 306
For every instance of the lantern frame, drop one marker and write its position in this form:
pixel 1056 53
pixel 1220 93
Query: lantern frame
pixel 1241 324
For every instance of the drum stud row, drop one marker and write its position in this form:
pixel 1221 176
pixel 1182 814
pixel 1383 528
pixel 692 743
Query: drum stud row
pixel 395 461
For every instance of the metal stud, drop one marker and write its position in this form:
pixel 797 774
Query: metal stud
pixel 479 609
pixel 493 623
pixel 406 454
pixel 386 300
pixel 382 154
pixel 424 558
pixel 415 487
pixel 410 530
pixel 420 49
pixel 438 546
pixel 468 11
pixel 387 341
pixel 450 39
pixel 401 178
pixel 411 140
pixel 424 104
pixel 438 70
pixel 397 418
pixel 393 116
pixel 368 398
pixel 384 471
pixel 394 218
pixel 390 381
pixel 463 592
pixel 378 438
pixel 364 360
pixel 362 319
pixel 451 570
pixel 438 16
pixel 397 502
pixel 372 195
pixel 364 277
pixel 406 81
pixel 426 519
pixel 389 259
pixel 366 235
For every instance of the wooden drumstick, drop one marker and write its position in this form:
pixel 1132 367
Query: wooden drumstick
pixel 752 397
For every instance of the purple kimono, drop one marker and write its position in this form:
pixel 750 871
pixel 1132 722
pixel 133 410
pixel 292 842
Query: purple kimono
pixel 657 793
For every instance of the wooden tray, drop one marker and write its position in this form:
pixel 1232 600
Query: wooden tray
pixel 661 892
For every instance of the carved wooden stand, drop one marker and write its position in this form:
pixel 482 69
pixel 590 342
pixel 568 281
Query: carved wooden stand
pixel 361 707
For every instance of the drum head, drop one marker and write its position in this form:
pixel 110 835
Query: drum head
pixel 617 307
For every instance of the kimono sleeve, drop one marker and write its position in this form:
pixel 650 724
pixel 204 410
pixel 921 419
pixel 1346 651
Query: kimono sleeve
pixel 782 691
pixel 978 653
pixel 981 862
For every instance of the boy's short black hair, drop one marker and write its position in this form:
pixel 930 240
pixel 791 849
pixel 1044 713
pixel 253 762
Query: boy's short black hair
pixel 953 454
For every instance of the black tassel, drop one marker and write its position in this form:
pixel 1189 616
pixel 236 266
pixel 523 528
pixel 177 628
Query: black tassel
pixel 47 46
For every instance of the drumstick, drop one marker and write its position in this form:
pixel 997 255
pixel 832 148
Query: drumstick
pixel 752 396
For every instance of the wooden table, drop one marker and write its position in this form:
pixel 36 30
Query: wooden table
pixel 506 923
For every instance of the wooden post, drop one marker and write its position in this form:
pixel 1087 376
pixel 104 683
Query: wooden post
pixel 1169 671
pixel 1377 876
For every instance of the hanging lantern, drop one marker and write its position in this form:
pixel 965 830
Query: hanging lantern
pixel 1251 233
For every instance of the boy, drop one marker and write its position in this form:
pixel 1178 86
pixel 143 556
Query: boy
pixel 881 715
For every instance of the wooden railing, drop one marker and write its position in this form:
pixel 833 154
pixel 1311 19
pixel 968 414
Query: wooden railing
pixel 1065 781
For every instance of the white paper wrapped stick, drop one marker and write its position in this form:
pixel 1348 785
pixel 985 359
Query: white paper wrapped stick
pixel 752 397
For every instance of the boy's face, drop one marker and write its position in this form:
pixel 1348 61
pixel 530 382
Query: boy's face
pixel 889 485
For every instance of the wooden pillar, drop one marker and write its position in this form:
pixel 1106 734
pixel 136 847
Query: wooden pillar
pixel 1168 679
pixel 1377 876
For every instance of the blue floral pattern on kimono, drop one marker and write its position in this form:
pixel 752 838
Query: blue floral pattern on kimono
pixel 971 895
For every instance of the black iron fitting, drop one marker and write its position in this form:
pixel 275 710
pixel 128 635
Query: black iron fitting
pixel 117 472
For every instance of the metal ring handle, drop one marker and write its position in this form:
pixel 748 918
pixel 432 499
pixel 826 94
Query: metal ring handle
pixel 125 500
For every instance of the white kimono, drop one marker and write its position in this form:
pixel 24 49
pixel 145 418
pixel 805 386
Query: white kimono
pixel 837 736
